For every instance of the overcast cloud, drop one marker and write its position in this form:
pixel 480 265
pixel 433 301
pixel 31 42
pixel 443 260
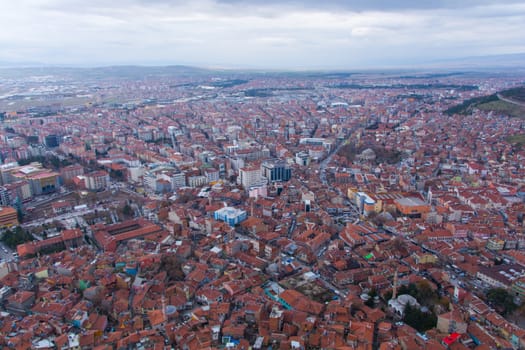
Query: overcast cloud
pixel 258 33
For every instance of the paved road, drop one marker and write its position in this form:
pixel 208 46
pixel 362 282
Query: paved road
pixel 514 102
pixel 324 163
pixel 5 252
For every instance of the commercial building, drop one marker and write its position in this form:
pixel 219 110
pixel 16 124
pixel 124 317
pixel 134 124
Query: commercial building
pixel 8 217
pixel 231 216
pixel 67 239
pixel 276 170
pixel 412 206
pixel 366 204
pixel 250 176
pixel 501 276
pixel 107 237
pixel 41 180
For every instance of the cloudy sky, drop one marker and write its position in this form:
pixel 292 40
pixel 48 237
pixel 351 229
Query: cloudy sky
pixel 279 34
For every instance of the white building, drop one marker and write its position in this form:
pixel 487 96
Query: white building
pixel 178 180
pixel 197 181
pixel 97 180
pixel 136 173
pixel 400 303
pixel 230 215
pixel 250 176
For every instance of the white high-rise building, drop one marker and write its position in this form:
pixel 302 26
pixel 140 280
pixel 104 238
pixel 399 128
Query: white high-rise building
pixel 250 176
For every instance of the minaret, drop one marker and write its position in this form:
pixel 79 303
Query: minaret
pixel 456 294
pixel 163 301
pixel 171 132
pixel 394 290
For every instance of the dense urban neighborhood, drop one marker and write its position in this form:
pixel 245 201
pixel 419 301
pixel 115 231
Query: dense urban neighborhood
pixel 184 208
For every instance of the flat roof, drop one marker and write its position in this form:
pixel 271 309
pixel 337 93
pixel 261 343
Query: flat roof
pixel 410 201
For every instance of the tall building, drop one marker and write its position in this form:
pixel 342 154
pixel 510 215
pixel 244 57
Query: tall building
pixel 52 140
pixel 276 170
pixel 69 172
pixel 97 180
pixel 250 176
pixel 173 132
pixel 178 180
pixel 5 198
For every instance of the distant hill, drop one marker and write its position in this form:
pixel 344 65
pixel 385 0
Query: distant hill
pixel 490 62
pixel 509 102
pixel 109 72
pixel 138 71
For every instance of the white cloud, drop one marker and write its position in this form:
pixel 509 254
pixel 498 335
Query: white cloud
pixel 280 35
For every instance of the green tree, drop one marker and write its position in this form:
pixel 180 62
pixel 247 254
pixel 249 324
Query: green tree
pixel 117 175
pixel 425 294
pixel 501 300
pixel 372 294
pixel 419 320
pixel 173 267
pixel 16 237
pixel 127 210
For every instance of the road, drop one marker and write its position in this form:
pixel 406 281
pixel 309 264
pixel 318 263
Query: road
pixel 6 253
pixel 518 103
pixel 324 163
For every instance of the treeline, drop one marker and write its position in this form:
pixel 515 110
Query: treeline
pixel 228 83
pixel 516 94
pixel 47 161
pixel 467 105
pixel 405 86
pixel 268 92
pixel 18 236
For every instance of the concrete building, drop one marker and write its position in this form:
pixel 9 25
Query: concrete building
pixel 97 180
pixel 412 206
pixel 500 276
pixel 365 203
pixel 178 180
pixel 276 170
pixel 8 217
pixel 231 216
pixel 451 322
pixel 5 198
pixel 69 172
pixel 250 176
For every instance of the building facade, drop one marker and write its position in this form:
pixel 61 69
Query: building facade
pixel 231 216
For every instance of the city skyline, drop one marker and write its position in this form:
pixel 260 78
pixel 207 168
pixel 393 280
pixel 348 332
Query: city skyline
pixel 257 34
